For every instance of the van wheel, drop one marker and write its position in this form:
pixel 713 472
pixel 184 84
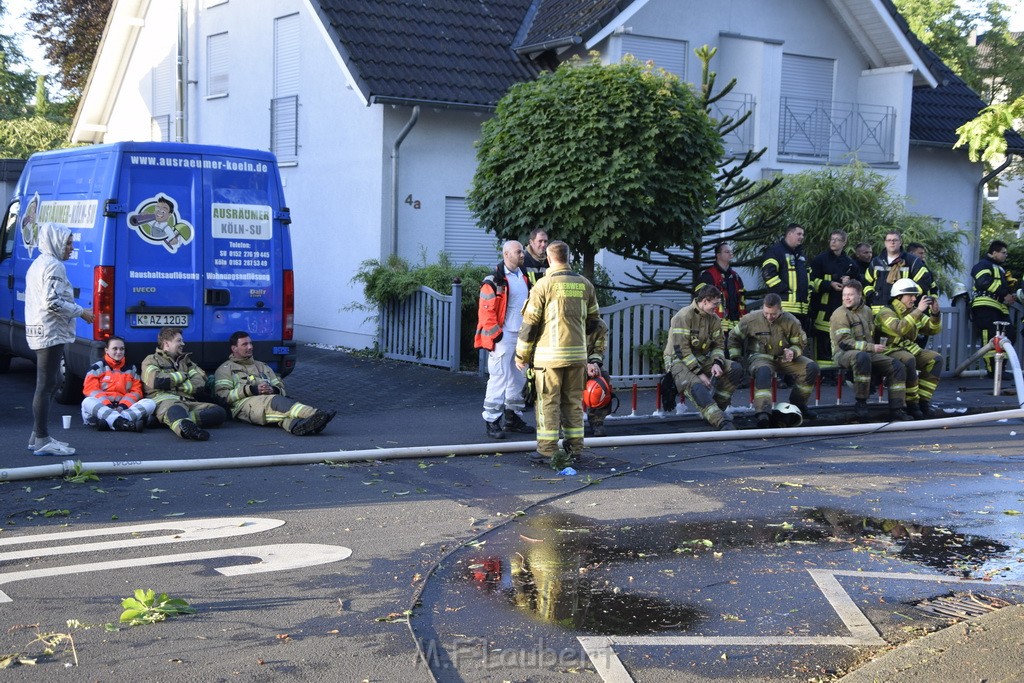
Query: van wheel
pixel 69 391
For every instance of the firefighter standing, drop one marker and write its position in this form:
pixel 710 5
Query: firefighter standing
pixel 563 337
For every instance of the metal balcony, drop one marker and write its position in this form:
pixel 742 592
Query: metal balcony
pixel 741 140
pixel 836 131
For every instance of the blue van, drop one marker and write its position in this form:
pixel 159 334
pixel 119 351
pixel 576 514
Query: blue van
pixel 165 234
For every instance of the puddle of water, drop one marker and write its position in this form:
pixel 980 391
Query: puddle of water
pixel 556 568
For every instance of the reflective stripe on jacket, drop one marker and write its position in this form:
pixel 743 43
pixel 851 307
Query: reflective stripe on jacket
pixel 730 284
pixel 562 324
pixel 784 271
pixel 990 286
pixel 113 381
pixel 491 308
pixel 694 338
pixel 904 325
pixel 754 338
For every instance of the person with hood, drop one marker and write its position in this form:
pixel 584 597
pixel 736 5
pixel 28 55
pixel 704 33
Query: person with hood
pixel 255 394
pixel 113 393
pixel 50 313
pixel 174 382
pixel 784 271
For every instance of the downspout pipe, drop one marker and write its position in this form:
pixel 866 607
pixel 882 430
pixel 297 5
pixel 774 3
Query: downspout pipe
pixel 413 118
pixel 138 467
pixel 181 76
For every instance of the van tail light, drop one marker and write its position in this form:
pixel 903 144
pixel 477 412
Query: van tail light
pixel 103 302
pixel 288 321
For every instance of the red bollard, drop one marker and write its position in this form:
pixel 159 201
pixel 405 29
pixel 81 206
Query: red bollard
pixel 881 388
pixel 839 387
pixel 634 398
pixel 817 390
pixel 751 392
pixel 775 388
pixel 657 399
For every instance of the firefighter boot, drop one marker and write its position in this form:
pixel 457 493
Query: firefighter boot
pixel 494 429
pixel 514 423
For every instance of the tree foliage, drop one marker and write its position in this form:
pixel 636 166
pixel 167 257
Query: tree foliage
pixel 732 189
pixel 985 135
pixel 861 202
pixel 618 156
pixel 70 32
pixel 21 137
pixel 17 82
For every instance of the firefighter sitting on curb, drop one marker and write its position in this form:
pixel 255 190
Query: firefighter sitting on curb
pixel 255 394
pixel 852 329
pixel 907 316
pixel 773 341
pixel 695 357
pixel 503 296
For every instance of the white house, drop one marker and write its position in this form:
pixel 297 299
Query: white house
pixel 373 106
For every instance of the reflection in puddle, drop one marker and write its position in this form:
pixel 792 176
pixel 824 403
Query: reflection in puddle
pixel 556 570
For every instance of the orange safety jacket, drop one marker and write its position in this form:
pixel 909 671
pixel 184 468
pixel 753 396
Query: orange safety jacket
pixel 113 382
pixel 491 309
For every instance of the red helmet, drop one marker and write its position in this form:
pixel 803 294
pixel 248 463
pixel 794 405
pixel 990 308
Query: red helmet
pixel 597 393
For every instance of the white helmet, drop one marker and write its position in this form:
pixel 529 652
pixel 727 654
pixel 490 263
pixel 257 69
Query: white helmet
pixel 786 415
pixel 904 286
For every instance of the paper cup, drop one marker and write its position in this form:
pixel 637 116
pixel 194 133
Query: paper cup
pixel 67 421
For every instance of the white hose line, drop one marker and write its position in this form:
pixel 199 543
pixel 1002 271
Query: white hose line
pixel 491 447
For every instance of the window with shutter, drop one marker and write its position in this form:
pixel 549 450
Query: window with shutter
pixel 464 240
pixel 284 107
pixel 670 55
pixel 217 65
pixel 805 108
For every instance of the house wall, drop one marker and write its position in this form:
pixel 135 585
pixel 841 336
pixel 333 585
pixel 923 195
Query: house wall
pixel 943 183
pixel 333 187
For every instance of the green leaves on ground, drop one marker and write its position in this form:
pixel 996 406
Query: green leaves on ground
pixel 148 608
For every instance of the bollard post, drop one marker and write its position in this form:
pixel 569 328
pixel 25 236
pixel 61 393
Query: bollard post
pixel 775 388
pixel 657 401
pixel 817 390
pixel 634 399
pixel 839 387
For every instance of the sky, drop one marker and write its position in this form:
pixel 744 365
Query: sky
pixel 14 24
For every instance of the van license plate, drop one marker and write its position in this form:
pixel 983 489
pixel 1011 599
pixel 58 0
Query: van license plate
pixel 161 320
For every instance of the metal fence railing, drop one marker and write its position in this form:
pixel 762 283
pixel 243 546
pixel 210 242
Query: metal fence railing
pixel 423 328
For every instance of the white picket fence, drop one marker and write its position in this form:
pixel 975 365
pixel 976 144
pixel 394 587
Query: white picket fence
pixel 423 328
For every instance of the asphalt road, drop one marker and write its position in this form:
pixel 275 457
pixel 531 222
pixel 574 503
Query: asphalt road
pixel 758 560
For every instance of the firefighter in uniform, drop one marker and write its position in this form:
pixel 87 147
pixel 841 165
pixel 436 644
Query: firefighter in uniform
pixel 255 394
pixel 784 271
pixel 908 316
pixel 993 294
pixel 172 380
pixel 503 295
pixel 724 277
pixel 891 265
pixel 560 322
pixel 772 341
pixel 830 270
pixel 852 328
pixel 535 259
pixel 695 357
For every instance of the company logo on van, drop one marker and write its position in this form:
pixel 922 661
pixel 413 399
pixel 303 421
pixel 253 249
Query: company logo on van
pixel 71 213
pixel 156 221
pixel 143 290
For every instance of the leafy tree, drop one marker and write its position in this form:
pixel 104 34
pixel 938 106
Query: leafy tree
pixel 21 137
pixel 985 135
pixel 16 84
pixel 862 203
pixel 945 26
pixel 618 156
pixel 732 189
pixel 70 32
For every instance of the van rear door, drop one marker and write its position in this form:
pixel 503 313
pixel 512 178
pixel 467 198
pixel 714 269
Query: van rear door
pixel 246 252
pixel 159 252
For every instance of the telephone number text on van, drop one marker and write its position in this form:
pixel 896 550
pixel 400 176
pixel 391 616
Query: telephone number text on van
pixel 161 320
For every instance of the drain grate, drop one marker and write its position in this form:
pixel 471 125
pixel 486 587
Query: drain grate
pixel 961 605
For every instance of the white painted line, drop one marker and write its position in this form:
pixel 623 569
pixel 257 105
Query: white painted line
pixel 274 558
pixel 600 649
pixel 179 531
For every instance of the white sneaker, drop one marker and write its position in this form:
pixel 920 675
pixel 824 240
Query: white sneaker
pixel 53 447
pixel 35 443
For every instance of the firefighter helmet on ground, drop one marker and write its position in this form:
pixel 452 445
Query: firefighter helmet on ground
pixel 904 286
pixel 786 415
pixel 597 393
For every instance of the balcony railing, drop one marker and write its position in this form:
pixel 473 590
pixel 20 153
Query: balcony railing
pixel 741 140
pixel 836 131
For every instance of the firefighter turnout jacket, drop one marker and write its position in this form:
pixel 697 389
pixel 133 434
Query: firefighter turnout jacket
pixel 991 285
pixel 562 324
pixel 166 378
pixel 882 272
pixel 756 339
pixel 852 329
pixel 730 284
pixel 904 325
pixel 694 339
pixel 239 378
pixel 784 272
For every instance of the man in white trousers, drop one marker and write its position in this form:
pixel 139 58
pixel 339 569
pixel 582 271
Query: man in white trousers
pixel 503 295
